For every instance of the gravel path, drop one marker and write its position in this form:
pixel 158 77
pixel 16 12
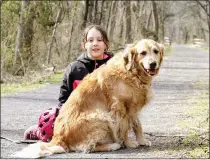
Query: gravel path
pixel 173 87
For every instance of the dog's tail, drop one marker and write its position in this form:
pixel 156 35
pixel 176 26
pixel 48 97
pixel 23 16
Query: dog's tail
pixel 39 149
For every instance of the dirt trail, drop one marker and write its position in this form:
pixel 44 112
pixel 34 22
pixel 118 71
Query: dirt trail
pixel 180 71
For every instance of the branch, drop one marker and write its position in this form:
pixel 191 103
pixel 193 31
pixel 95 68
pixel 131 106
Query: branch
pixel 168 16
pixel 153 135
pixel 53 38
pixel 202 6
pixel 19 141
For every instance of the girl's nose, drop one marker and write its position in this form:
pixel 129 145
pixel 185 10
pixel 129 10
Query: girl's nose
pixel 95 43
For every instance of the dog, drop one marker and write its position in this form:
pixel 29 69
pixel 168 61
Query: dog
pixel 103 108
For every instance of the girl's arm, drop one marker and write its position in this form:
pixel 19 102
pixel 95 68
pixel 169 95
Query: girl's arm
pixel 66 86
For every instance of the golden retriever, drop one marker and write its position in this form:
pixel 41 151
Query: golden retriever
pixel 100 112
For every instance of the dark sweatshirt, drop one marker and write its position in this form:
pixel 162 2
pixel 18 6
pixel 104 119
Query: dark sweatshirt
pixel 76 71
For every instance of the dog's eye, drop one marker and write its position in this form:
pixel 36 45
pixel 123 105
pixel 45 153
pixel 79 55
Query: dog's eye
pixel 143 53
pixel 155 51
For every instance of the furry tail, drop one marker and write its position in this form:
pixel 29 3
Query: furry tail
pixel 39 149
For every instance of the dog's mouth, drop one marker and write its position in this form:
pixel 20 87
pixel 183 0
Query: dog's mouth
pixel 151 72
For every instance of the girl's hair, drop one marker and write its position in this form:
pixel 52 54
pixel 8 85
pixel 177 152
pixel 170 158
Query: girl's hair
pixel 100 29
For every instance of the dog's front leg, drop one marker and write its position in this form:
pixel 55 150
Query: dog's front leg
pixel 124 128
pixel 119 113
pixel 137 128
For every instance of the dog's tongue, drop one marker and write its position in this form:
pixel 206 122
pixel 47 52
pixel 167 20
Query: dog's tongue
pixel 152 72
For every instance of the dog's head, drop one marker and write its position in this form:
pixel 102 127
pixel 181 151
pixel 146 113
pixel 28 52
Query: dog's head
pixel 145 55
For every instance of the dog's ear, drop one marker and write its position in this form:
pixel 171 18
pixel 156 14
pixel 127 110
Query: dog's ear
pixel 162 50
pixel 129 58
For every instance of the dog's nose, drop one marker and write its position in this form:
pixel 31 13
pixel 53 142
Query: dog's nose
pixel 153 65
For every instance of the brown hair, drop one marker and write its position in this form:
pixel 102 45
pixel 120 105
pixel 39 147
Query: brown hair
pixel 100 29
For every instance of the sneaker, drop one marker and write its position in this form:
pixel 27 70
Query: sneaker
pixel 32 133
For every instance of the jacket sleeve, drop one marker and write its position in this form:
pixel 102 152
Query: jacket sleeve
pixel 66 87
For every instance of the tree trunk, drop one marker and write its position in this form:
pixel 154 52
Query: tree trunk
pixel 149 19
pixel 49 53
pixel 86 14
pixel 162 22
pixel 109 15
pixel 72 30
pixel 28 31
pixel 91 12
pixel 186 35
pixel 101 12
pixel 140 12
pixel 205 9
pixel 121 23
pixel 155 19
pixel 112 21
pixel 128 22
pixel 95 12
pixel 19 38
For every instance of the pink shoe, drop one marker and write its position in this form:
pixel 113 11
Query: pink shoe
pixel 32 133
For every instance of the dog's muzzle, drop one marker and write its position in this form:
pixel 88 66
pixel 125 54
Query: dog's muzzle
pixel 152 71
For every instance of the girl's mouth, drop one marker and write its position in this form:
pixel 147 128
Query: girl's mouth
pixel 95 49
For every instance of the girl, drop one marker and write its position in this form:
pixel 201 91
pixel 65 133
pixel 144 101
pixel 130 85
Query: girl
pixel 95 42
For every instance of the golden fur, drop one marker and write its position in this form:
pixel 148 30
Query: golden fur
pixel 100 112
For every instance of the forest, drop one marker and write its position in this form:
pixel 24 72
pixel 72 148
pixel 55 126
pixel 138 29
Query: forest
pixel 36 35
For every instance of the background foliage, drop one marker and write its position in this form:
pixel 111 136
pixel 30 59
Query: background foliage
pixel 36 35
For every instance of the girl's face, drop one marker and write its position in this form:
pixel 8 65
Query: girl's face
pixel 95 45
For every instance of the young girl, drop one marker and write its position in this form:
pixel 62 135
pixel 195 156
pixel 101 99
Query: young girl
pixel 95 42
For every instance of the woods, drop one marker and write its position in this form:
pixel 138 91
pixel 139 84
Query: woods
pixel 49 33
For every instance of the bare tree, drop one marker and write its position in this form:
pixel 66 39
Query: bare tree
pixel 165 14
pixel 121 22
pixel 49 53
pixel 95 12
pixel 86 13
pixel 112 21
pixel 205 7
pixel 72 28
pixel 19 37
pixel 109 15
pixel 128 22
pixel 101 12
pixel 38 30
pixel 155 14
pixel 140 16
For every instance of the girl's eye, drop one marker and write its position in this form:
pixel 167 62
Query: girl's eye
pixel 90 40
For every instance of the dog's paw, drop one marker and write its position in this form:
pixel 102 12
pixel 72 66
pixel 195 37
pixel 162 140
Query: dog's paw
pixel 145 142
pixel 114 146
pixel 90 148
pixel 131 144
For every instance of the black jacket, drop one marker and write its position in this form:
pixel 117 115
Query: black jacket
pixel 76 71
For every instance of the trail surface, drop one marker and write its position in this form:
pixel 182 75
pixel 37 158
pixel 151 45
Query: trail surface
pixel 180 71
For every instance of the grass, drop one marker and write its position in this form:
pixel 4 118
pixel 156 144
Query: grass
pixel 197 124
pixel 25 86
pixel 168 50
pixel 13 88
pixel 53 79
pixel 202 47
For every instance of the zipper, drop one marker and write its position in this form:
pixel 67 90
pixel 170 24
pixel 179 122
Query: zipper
pixel 96 64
